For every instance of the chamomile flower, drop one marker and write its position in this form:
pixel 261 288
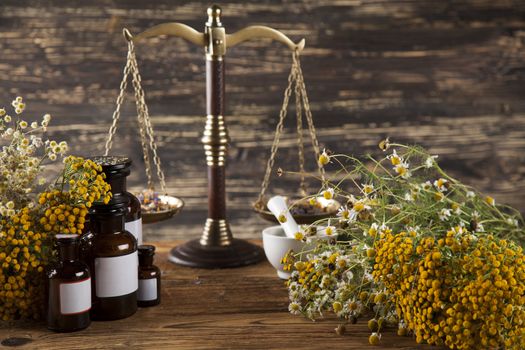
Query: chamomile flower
pixel 34 125
pixel 513 222
pixel 52 156
pixel 7 118
pixel 330 230
pixel 441 184
pixel 394 158
pixel 490 200
pixel 373 230
pixel 343 212
pixel 294 308
pixel 444 214
pixel 429 162
pixel 367 189
pixel 470 194
pixel 324 158
pixel 23 124
pixel 328 193
pixel 2 112
pixel 402 169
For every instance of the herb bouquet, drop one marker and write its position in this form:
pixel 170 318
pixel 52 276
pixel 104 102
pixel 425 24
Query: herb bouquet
pixel 417 250
pixel 29 219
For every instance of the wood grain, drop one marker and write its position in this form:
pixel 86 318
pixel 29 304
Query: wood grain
pixel 211 309
pixel 445 74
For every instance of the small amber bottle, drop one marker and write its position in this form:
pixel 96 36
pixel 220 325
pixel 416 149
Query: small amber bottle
pixel 149 278
pixel 115 263
pixel 69 288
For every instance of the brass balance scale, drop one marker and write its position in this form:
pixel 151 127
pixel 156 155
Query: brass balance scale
pixel 217 248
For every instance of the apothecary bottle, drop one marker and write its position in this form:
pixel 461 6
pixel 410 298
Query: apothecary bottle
pixel 117 170
pixel 115 263
pixel 149 277
pixel 68 288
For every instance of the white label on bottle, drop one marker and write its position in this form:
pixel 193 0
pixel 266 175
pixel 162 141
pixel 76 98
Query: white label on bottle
pixel 147 289
pixel 135 228
pixel 75 297
pixel 116 276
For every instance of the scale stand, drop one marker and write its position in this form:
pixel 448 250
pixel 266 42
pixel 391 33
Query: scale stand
pixel 216 248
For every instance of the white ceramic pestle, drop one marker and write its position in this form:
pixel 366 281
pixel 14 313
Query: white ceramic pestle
pixel 278 207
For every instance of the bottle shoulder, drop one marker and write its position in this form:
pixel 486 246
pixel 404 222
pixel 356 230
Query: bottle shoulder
pixel 68 271
pixel 115 244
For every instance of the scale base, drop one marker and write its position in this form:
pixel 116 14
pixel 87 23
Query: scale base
pixel 238 253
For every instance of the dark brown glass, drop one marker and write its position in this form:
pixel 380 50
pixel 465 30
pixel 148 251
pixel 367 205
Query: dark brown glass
pixel 117 169
pixel 112 240
pixel 148 271
pixel 68 269
pixel 86 251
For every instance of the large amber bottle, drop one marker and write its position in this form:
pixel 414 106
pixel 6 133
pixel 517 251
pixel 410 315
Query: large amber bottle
pixel 68 288
pixel 117 169
pixel 115 262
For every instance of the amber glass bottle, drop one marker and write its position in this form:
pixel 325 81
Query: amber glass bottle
pixel 68 288
pixel 149 277
pixel 115 263
pixel 117 170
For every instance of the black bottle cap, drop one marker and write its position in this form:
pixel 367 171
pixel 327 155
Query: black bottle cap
pixel 113 165
pixel 146 250
pixel 63 238
pixel 112 208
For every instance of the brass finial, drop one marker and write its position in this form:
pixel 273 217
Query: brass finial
pixel 214 16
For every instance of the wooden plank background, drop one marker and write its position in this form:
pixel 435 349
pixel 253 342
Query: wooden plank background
pixel 445 74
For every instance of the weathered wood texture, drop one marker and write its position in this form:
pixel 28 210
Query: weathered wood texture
pixel 211 309
pixel 445 74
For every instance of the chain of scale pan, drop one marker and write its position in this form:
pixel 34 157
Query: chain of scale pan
pixel 147 137
pixel 302 104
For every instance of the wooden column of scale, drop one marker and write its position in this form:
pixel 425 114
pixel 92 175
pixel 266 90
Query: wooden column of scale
pixel 216 248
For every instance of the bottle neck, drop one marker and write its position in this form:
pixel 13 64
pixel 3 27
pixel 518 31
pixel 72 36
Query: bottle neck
pixel 118 184
pixel 108 224
pixel 68 252
pixel 145 261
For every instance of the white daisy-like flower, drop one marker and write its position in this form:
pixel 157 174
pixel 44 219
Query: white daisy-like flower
pixel 2 112
pixel 324 158
pixel 7 118
pixel 513 222
pixel 444 214
pixel 328 193
pixel 46 118
pixel 394 158
pixel 329 230
pixel 408 197
pixel 429 162
pixel 34 125
pixel 470 194
pixel 441 184
pixel 367 189
pixel 426 185
pixel 294 308
pixel 480 228
pixel 402 169
pixel 343 212
pixel 53 156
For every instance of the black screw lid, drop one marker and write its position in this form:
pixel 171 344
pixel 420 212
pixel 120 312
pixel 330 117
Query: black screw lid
pixel 146 250
pixel 113 165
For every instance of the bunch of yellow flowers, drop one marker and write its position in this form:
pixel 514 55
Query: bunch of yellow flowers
pixel 65 210
pixel 431 255
pixel 29 222
pixel 463 291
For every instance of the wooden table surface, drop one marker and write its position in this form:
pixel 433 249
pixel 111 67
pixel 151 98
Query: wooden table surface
pixel 243 308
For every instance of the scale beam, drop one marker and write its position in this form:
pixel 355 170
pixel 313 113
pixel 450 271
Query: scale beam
pixel 216 248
